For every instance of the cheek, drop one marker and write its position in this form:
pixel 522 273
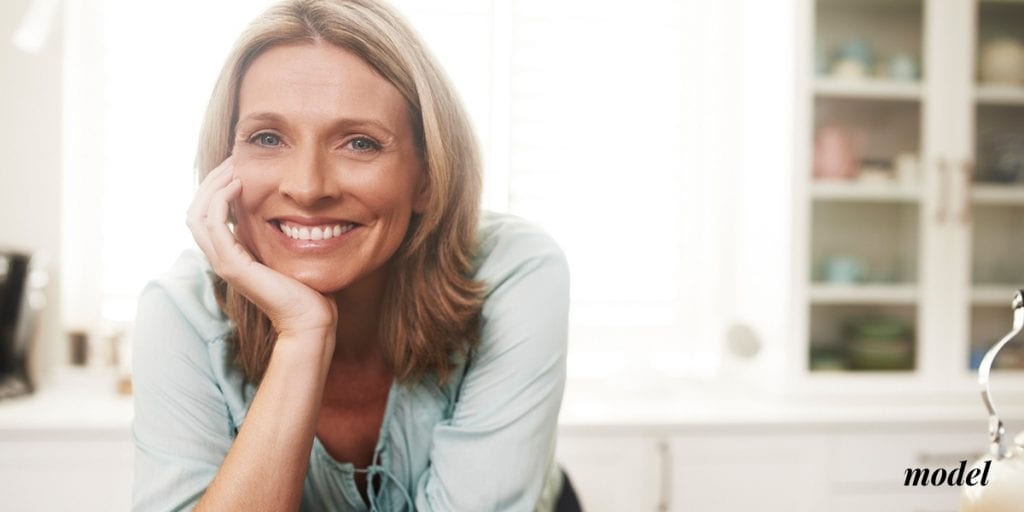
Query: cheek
pixel 392 191
pixel 257 181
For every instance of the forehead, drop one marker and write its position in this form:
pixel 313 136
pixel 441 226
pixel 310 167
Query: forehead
pixel 319 83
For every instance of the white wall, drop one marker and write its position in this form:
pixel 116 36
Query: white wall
pixel 30 163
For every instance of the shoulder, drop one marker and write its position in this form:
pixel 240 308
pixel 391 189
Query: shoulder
pixel 187 287
pixel 526 298
pixel 181 357
pixel 523 320
pixel 509 248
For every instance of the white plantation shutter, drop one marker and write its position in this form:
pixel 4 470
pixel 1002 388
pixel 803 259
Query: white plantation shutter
pixel 595 149
pixel 159 61
pixel 616 128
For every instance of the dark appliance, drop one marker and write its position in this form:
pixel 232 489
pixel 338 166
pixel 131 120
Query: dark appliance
pixel 19 308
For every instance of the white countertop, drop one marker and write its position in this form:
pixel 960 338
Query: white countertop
pixel 725 413
pixel 86 401
pixel 689 407
pixel 74 400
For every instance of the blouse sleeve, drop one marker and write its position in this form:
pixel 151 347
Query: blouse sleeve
pixel 495 451
pixel 181 430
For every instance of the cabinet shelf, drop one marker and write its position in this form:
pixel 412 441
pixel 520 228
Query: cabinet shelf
pixel 868 89
pixel 1010 195
pixel 992 295
pixel 999 95
pixel 867 192
pixel 912 251
pixel 890 294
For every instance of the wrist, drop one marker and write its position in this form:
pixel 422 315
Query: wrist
pixel 306 344
pixel 310 335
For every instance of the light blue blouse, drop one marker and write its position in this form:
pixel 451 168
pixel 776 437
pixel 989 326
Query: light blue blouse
pixel 484 441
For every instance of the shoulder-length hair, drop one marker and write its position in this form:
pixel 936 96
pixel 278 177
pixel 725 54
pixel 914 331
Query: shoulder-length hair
pixel 431 306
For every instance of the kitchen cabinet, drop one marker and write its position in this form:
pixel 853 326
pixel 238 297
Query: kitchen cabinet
pixel 791 467
pixel 749 470
pixel 615 471
pixel 910 179
pixel 67 446
pixel 796 465
pixel 65 470
pixel 661 469
pixel 66 449
pixel 867 465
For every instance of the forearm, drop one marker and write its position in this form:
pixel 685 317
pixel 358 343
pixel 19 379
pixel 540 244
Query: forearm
pixel 266 465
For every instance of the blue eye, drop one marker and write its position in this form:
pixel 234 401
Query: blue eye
pixel 363 144
pixel 265 139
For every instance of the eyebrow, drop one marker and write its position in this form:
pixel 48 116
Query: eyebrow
pixel 338 123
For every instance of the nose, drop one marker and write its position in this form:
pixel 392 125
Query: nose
pixel 308 180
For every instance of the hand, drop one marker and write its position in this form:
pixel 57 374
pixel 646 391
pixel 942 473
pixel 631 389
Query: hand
pixel 292 307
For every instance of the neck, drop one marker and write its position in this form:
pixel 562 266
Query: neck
pixel 359 309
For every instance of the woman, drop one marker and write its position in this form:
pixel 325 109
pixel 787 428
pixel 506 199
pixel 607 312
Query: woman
pixel 355 334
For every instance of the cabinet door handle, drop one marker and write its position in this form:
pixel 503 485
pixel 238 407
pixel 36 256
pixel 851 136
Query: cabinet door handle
pixel 942 168
pixel 665 487
pixel 968 173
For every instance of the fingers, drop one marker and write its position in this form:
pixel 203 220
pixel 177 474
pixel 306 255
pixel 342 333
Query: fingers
pixel 208 219
pixel 273 293
pixel 290 304
pixel 199 210
pixel 233 258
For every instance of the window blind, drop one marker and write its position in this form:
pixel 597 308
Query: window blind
pixel 612 127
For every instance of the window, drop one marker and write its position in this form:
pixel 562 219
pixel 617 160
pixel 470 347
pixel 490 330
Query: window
pixel 617 129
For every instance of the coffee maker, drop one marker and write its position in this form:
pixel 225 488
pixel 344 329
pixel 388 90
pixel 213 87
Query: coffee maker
pixel 20 301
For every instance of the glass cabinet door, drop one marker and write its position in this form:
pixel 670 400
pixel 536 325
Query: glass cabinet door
pixel 866 193
pixel 997 180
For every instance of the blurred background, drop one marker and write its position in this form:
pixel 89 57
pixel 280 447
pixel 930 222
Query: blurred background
pixel 794 229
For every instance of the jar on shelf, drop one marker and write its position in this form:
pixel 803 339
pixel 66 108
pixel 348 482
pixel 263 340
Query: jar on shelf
pixel 835 155
pixel 1002 61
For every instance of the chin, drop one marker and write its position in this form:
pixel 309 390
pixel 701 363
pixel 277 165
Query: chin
pixel 319 281
pixel 323 284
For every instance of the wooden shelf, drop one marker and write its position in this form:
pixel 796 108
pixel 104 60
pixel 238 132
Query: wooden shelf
pixel 999 94
pixel 894 294
pixel 867 192
pixel 868 88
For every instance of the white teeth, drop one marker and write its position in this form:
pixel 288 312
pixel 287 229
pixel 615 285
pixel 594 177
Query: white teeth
pixel 316 233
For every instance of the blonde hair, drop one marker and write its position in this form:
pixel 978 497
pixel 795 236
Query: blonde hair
pixel 431 306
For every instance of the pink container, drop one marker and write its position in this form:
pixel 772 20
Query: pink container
pixel 835 156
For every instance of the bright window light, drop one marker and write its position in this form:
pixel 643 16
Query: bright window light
pixel 618 130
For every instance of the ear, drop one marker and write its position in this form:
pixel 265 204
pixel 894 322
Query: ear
pixel 422 197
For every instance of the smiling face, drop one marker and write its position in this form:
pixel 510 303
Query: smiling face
pixel 330 173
